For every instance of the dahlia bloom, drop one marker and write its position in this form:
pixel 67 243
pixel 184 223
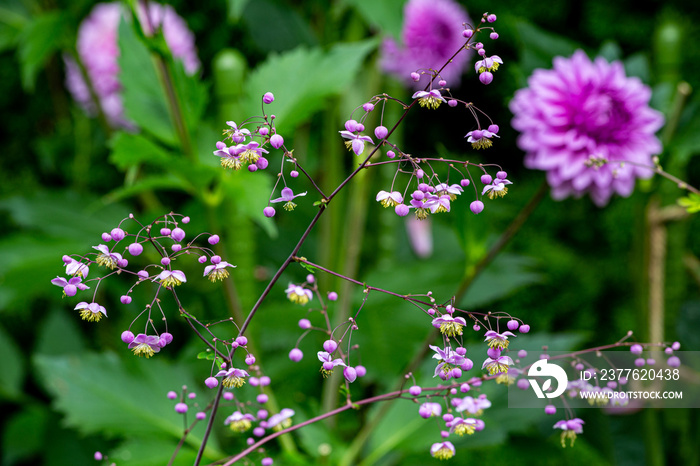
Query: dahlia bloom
pixel 582 112
pixel 98 50
pixel 431 34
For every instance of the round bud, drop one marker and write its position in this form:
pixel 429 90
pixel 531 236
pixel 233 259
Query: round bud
pixel 415 76
pixel 350 374
pixel 639 362
pixel 332 296
pixel 361 371
pixel 252 168
pixel 262 398
pixel 213 239
pixel 381 132
pixel 127 336
pixel 477 207
pixel 522 353
pixel 524 328
pixel 167 337
pixel 202 259
pixel 304 323
pixel 636 349
pixel 420 173
pixel 242 341
pixel 550 409
pixel 172 395
pixel 493 35
pixel 391 154
pixel 351 125
pixel 486 77
pixel 178 234
pixel 125 299
pixel 165 231
pixel 211 382
pixel 330 346
pixel 494 353
pixel 482 52
pixel 415 390
pixel 513 324
pixel 185 220
pixel 215 259
pixel 401 210
pixel 467 33
pixel 264 131
pixel 523 384
pixel 176 247
pixel 465 182
pixel 201 415
pixel 294 173
pixel 181 408
pixel 368 107
pixel 491 18
pixel 268 98
pixel 296 355
pixel 674 361
pixel 269 211
pixel 165 261
pixel 250 359
pixel 486 178
pixel 360 127
pixel 276 141
pixel 117 234
pixel 262 163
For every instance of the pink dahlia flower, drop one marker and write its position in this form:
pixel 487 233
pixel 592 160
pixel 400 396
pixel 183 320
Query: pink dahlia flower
pixel 583 111
pixel 99 52
pixel 432 33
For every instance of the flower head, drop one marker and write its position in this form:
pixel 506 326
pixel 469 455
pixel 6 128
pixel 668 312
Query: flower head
pixel 281 420
pixel 355 142
pixel 461 426
pixel 99 52
pixel 298 294
pixel 251 152
pixel 389 199
pixel 497 365
pixel 431 99
pixel 70 287
pixel 92 312
pixel 431 34
pixel 287 197
pixel 480 138
pixel 236 134
pixel 569 429
pixel 497 188
pixel 442 450
pixel 328 363
pixel 217 271
pixel 107 258
pixel 489 64
pixel 145 345
pixel 450 190
pixel 232 377
pixel 239 422
pixel 498 340
pixel 169 278
pixel 448 360
pixel 448 325
pixel 474 406
pixel 75 268
pixel 430 409
pixel 583 109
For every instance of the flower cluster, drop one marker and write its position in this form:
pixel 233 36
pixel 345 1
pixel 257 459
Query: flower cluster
pixel 167 237
pixel 99 52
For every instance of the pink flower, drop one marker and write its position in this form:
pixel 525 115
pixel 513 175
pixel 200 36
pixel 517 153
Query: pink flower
pixel 431 34
pixel 579 120
pixel 99 52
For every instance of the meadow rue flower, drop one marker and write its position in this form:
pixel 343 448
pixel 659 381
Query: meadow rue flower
pixel 488 64
pixel 497 365
pixel 448 360
pixel 582 110
pixel 497 188
pixel 239 422
pixel 99 53
pixel 70 287
pixel 169 278
pixel 287 197
pixel 145 345
pixel 430 409
pixel 251 152
pixel 453 190
pixel 431 34
pixel 389 199
pixel 569 429
pixel 107 258
pixel 92 312
pixel 448 325
pixel 232 378
pixel 237 135
pixel 442 451
pixel 461 426
pixel 498 340
pixel 217 271
pixel 75 268
pixel 328 363
pixel 430 99
pixel 480 138
pixel 298 294
pixel 356 142
pixel 230 156
pixel 474 406
pixel 281 420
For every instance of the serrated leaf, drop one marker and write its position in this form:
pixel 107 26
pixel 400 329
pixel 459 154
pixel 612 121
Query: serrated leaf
pixel 287 76
pixel 98 393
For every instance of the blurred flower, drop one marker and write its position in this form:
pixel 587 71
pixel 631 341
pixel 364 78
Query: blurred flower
pixel 431 34
pixel 579 120
pixel 569 429
pixel 239 422
pixel 98 50
pixel 443 450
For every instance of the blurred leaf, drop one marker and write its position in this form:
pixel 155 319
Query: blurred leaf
pixel 611 51
pixel 192 94
pixel 297 96
pixel 276 26
pixel 686 143
pixel 24 433
pixel 145 102
pixel 39 40
pixel 538 47
pixel 152 451
pixel 691 203
pixel 638 65
pixel 687 324
pixel 59 334
pixel 251 194
pixel 386 15
pixel 507 273
pixel 235 9
pixel 12 373
pixel 98 393
pixel 147 183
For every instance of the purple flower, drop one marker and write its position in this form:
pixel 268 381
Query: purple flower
pixel 217 271
pixel 442 451
pixel 70 287
pixel 448 325
pixel 431 99
pixel 281 420
pixel 480 138
pixel 431 34
pixel 287 197
pixel 356 142
pixel 474 406
pixel 569 429
pixel 91 312
pixel 450 190
pixel 498 340
pixel 580 121
pixel 488 64
pixel 497 188
pixel 497 365
pixel 75 268
pixel 232 377
pixel 429 409
pixel 230 156
pixel 448 360
pixel 251 152
pixel 389 199
pixel 107 258
pixel 328 363
pixel 461 426
pixel 145 345
pixel 170 278
pixel 236 134
pixel 298 294
pixel 239 422
pixel 99 52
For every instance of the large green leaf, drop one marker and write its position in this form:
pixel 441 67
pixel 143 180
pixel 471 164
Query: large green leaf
pixel 99 393
pixel 302 79
pixel 12 372
pixel 23 435
pixel 38 41
pixel 386 15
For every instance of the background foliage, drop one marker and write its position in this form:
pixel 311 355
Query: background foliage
pixel 575 272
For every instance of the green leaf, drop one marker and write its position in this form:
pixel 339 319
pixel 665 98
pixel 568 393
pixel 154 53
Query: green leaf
pixel 38 41
pixel 59 334
pixel 538 47
pixel 152 451
pixel 309 267
pixel 506 274
pixel 691 203
pixel 302 79
pixel 276 26
pixel 12 373
pixel 23 434
pixel 99 393
pixel 145 102
pixel 386 15
pixel 235 9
